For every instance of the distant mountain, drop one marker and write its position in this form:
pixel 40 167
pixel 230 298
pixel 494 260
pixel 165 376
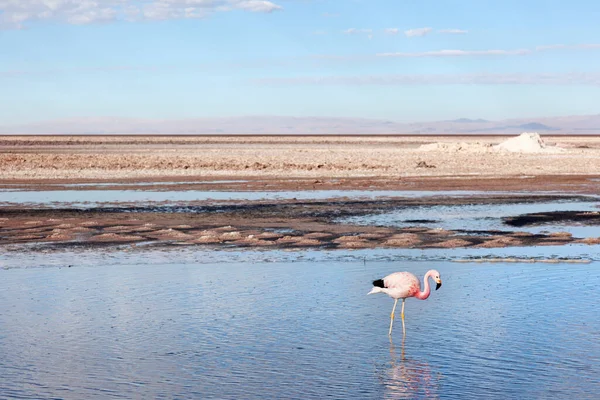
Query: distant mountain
pixel 468 120
pixel 536 126
pixel 277 125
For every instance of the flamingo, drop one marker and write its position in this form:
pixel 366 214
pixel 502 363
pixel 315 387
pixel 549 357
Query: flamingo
pixel 401 285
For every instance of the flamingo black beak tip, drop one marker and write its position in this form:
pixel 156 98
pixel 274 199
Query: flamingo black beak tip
pixel 438 285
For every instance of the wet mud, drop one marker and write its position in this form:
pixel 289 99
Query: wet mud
pixel 279 224
pixel 577 184
pixel 556 217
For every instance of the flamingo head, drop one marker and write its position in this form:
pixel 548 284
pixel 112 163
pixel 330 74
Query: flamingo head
pixel 437 278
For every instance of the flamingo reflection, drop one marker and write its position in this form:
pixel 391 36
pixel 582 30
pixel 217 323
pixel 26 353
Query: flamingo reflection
pixel 407 378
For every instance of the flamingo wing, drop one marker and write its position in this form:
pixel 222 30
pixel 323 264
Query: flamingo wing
pixel 402 284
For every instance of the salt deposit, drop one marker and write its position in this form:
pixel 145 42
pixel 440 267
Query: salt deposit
pixel 527 143
pixel 227 160
pixel 524 143
pixel 455 147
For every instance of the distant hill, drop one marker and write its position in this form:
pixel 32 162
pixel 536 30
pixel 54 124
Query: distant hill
pixel 276 125
pixel 467 120
pixel 536 126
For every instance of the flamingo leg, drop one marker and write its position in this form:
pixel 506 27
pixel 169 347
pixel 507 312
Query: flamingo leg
pixel 402 315
pixel 392 317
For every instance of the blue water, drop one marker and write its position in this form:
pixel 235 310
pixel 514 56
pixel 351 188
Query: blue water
pixel 176 324
pixel 484 217
pixel 94 197
pixel 215 324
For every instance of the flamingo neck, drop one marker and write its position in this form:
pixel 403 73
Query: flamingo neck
pixel 426 289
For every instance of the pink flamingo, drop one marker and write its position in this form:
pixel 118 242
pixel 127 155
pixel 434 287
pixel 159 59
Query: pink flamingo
pixel 401 285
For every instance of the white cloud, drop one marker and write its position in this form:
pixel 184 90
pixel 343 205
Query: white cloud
pixel 391 31
pixel 353 31
pixel 457 53
pixel 551 47
pixel 453 31
pixel 15 13
pixel 575 78
pixel 417 32
pixel 584 46
pixel 461 53
pixel 256 6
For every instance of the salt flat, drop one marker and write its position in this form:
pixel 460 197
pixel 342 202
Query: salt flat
pixel 52 158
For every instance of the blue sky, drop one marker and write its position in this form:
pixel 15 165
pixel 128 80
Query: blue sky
pixel 403 60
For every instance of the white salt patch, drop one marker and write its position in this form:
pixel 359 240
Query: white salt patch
pixel 524 143
pixel 527 143
pixel 455 147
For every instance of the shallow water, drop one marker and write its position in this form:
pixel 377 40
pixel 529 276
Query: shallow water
pixel 293 325
pixel 141 185
pixel 190 323
pixel 92 197
pixel 484 217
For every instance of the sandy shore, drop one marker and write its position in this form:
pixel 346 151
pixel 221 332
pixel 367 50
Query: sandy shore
pixel 387 162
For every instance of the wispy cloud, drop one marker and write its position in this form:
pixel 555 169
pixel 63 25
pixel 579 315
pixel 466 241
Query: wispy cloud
pixel 391 31
pixel 460 53
pixel 14 14
pixel 12 73
pixel 453 31
pixel 588 46
pixel 457 53
pixel 319 32
pixel 159 68
pixel 575 78
pixel 417 32
pixel 318 59
pixel 550 47
pixel 355 31
pixel 583 46
pixel 352 31
pixel 75 70
pixel 330 15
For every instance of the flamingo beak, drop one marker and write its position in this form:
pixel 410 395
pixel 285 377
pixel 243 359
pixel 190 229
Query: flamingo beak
pixel 439 284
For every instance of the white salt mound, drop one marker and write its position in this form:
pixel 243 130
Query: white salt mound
pixel 524 143
pixel 527 143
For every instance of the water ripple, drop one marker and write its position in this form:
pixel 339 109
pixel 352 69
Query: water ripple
pixel 298 329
